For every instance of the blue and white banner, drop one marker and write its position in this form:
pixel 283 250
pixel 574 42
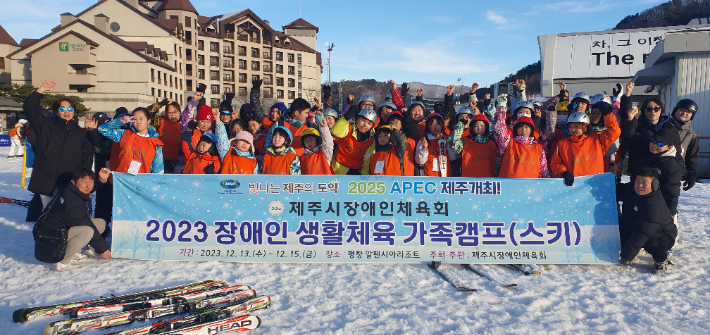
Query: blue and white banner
pixel 365 219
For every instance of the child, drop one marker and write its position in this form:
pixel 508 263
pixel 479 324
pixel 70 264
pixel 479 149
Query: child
pixel 385 110
pixel 582 152
pixel 191 137
pixel 226 112
pixel 331 115
pixel 645 220
pixel 16 147
pixel 318 150
pixel 419 112
pixel 356 143
pixel 408 128
pixel 388 159
pixel 463 117
pixel 432 151
pixel 280 157
pixel 478 151
pixel 140 149
pixel 236 126
pixel 522 156
pixel 276 113
pixel 259 136
pixel 204 159
pixel 296 124
pixel 601 104
pixel 170 135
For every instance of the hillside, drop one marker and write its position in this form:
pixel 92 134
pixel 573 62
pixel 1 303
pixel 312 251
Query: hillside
pixel 671 13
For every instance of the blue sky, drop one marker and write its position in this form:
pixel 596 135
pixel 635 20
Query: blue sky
pixel 427 41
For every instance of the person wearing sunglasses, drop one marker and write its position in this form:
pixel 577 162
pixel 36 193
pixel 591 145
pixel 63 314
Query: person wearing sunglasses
pixel 61 147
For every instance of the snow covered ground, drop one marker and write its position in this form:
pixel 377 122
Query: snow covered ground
pixel 387 299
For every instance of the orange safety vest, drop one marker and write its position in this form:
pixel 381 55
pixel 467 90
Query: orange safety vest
pixel 296 141
pixel 235 164
pixel 392 166
pixel 316 164
pixel 196 164
pixel 409 162
pixel 196 134
pixel 133 147
pixel 351 152
pixel 521 161
pixel 170 135
pixel 277 164
pixel 266 122
pixel 434 154
pixel 478 159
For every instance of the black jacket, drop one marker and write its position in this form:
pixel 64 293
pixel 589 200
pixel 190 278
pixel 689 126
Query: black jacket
pixel 102 148
pixel 61 147
pixel 689 144
pixel 643 220
pixel 72 208
pixel 636 135
pixel 670 173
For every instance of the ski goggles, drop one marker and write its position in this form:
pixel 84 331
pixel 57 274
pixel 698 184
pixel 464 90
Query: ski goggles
pixel 66 109
pixel 657 142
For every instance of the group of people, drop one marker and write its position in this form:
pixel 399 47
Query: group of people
pixel 505 137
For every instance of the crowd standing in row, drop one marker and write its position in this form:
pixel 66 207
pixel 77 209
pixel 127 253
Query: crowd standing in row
pixel 505 137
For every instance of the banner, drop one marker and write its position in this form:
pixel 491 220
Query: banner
pixel 365 219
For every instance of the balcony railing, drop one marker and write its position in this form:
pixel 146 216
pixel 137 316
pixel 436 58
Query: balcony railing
pixel 244 38
pixel 189 73
pixel 201 62
pixel 254 54
pixel 242 52
pixel 230 36
pixel 215 90
pixel 280 70
pixel 213 63
pixel 242 93
pixel 267 68
pixel 201 47
pixel 229 79
pixel 291 73
pixel 268 94
pixel 188 88
pixel 188 42
pixel 228 51
pixel 242 80
pixel 188 57
pixel 227 65
pixel 242 66
pixel 279 58
pixel 201 76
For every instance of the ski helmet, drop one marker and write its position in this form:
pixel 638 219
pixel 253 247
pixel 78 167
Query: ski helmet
pixel 578 117
pixel 562 106
pixel 464 110
pixel 369 114
pixel 387 104
pixel 311 132
pixel 581 95
pixel 524 104
pixel 367 98
pixel 331 112
pixel 600 98
pixel 522 121
pixel 686 104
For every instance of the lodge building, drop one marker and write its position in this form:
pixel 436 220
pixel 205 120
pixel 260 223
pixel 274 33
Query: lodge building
pixel 132 53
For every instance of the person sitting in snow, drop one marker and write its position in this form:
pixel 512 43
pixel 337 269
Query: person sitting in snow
pixel 71 209
pixel 645 220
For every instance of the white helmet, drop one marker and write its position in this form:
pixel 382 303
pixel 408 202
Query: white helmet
pixel 387 104
pixel 464 110
pixel 600 98
pixel 369 114
pixel 578 117
pixel 581 95
pixel 367 97
pixel 524 104
pixel 331 112
pixel 389 96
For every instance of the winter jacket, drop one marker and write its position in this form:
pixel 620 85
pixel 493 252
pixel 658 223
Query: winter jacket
pixel 102 148
pixel 584 155
pixel 522 157
pixel 73 208
pixel 478 153
pixel 644 218
pixel 190 111
pixel 317 161
pixel 689 145
pixel 60 147
pixel 171 136
pixel 189 141
pixel 670 173
pixel 131 146
pixel 197 164
pixel 285 161
pixel 637 133
pixel 352 152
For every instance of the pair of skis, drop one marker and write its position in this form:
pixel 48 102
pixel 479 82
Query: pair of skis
pixel 23 203
pixel 484 273
pixel 238 295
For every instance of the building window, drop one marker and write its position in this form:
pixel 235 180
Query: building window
pixel 215 90
pixel 214 103
pixel 291 83
pixel 291 70
pixel 279 94
pixel 279 81
pixel 200 74
pixel 159 93
pixel 242 64
pixel 152 76
pixel 299 59
pixel 291 95
pixel 214 47
pixel 188 22
pixel 227 76
pixel 266 55
pixel 254 53
pixel 242 91
pixel 279 68
pixel 279 55
pixel 242 50
pixel 242 77
pixel 255 66
pixel 214 75
pixel 267 80
pixel 290 58
pixel 115 27
pixel 152 91
pixel 214 61
pixel 201 45
pixel 200 60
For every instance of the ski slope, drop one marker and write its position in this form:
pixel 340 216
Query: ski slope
pixel 387 299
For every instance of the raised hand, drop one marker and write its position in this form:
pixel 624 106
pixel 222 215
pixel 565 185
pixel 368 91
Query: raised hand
pixel 420 91
pixel 90 124
pixel 404 90
pixel 257 83
pixel 629 88
pixel 317 103
pixel 487 96
pixel 450 89
pixel 46 86
pixel 103 174
pixel 562 84
pixel 474 87
pixel 323 122
pixel 393 84
pixel 425 144
pixel 125 119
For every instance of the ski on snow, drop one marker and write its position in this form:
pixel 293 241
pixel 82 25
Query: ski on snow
pixel 481 272
pixel 231 325
pixel 230 315
pixel 75 326
pixel 526 270
pixel 461 288
pixel 30 313
pixel 23 203
pixel 133 306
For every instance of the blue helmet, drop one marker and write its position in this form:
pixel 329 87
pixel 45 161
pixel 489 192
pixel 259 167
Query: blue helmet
pixel 288 132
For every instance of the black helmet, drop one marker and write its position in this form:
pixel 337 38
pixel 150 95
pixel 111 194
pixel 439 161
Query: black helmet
pixel 686 104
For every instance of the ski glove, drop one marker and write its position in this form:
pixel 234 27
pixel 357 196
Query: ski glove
pixel 256 83
pixel 404 90
pixel 191 125
pixel 689 181
pixel 209 169
pixel 502 100
pixel 569 178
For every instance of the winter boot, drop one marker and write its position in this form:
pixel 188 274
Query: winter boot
pixel 60 266
pixel 77 257
pixel 660 267
pixel 669 258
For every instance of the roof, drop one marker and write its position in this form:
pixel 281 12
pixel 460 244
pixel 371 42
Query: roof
pixel 233 16
pixel 127 6
pixel 177 5
pixel 300 24
pixel 5 38
pixel 205 20
pixel 27 41
pixel 112 37
pixel 167 23
pixel 86 39
pixel 295 44
pixel 6 102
